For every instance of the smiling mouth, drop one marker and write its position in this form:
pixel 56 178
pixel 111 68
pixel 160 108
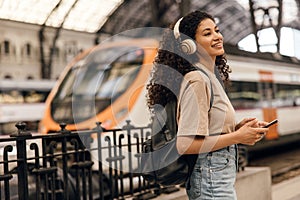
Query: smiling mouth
pixel 218 45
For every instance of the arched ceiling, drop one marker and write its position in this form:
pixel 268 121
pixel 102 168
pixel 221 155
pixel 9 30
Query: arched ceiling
pixel 234 20
pixel 237 18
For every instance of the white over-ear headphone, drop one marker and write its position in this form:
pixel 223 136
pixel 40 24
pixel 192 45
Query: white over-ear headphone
pixel 188 46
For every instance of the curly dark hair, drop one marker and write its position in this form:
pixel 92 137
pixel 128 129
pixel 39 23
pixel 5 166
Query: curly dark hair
pixel 171 64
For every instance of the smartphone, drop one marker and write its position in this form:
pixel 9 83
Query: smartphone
pixel 271 123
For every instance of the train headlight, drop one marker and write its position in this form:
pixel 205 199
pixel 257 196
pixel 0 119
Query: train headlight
pixel 106 124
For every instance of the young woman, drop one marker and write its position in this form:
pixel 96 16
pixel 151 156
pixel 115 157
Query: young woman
pixel 207 130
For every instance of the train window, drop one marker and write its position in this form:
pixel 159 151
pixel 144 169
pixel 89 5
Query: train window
pixel 22 100
pixel 94 84
pixel 31 96
pixel 12 96
pixel 244 94
pixel 287 95
pixel 267 91
pixel 120 75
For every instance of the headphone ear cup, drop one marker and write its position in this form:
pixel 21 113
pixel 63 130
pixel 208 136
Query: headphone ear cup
pixel 188 46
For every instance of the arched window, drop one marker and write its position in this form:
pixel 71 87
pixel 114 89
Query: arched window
pixel 55 51
pixel 6 47
pixel 8 76
pixel 28 49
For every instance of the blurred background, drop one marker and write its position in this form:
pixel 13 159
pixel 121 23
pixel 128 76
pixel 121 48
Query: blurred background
pixel 45 45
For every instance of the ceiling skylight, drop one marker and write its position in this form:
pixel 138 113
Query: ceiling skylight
pixel 79 15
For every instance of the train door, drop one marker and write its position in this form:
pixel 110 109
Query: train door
pixel 267 91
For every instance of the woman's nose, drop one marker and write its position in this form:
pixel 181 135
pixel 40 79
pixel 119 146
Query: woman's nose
pixel 218 36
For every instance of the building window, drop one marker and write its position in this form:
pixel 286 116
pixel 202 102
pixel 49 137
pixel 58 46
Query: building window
pixel 70 50
pixel 6 47
pixel 55 51
pixel 28 49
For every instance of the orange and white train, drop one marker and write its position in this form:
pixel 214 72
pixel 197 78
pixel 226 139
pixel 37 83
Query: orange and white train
pixel 107 84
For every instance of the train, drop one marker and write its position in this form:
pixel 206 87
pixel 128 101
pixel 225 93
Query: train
pixel 22 100
pixel 107 84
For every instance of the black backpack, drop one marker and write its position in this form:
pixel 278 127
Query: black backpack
pixel 160 161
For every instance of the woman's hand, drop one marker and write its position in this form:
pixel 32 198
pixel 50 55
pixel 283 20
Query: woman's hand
pixel 246 120
pixel 243 122
pixel 250 132
pixel 262 123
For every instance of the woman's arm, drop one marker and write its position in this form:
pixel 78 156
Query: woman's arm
pixel 247 134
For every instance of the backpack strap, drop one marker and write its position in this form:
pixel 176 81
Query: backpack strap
pixel 211 88
pixel 217 73
pixel 192 159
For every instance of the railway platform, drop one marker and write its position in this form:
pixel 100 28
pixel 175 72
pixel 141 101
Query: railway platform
pixel 287 190
pixel 254 179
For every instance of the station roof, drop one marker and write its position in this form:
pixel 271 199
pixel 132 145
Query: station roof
pixel 114 16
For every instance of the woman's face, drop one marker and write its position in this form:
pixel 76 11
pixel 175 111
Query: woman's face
pixel 209 38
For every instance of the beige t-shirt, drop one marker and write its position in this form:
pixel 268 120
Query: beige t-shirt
pixel 193 115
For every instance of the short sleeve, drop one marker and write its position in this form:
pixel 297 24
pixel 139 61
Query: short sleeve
pixel 193 106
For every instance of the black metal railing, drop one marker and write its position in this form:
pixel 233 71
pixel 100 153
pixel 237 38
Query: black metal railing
pixel 89 164
pixel 86 164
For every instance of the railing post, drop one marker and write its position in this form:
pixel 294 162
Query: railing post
pixel 128 127
pixel 21 137
pixel 100 170
pixel 63 130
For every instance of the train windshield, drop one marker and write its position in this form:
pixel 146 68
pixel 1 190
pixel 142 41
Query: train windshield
pixel 95 82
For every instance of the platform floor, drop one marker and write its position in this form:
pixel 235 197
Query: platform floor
pixel 285 190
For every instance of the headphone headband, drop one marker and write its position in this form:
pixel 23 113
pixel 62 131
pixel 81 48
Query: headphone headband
pixel 176 28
